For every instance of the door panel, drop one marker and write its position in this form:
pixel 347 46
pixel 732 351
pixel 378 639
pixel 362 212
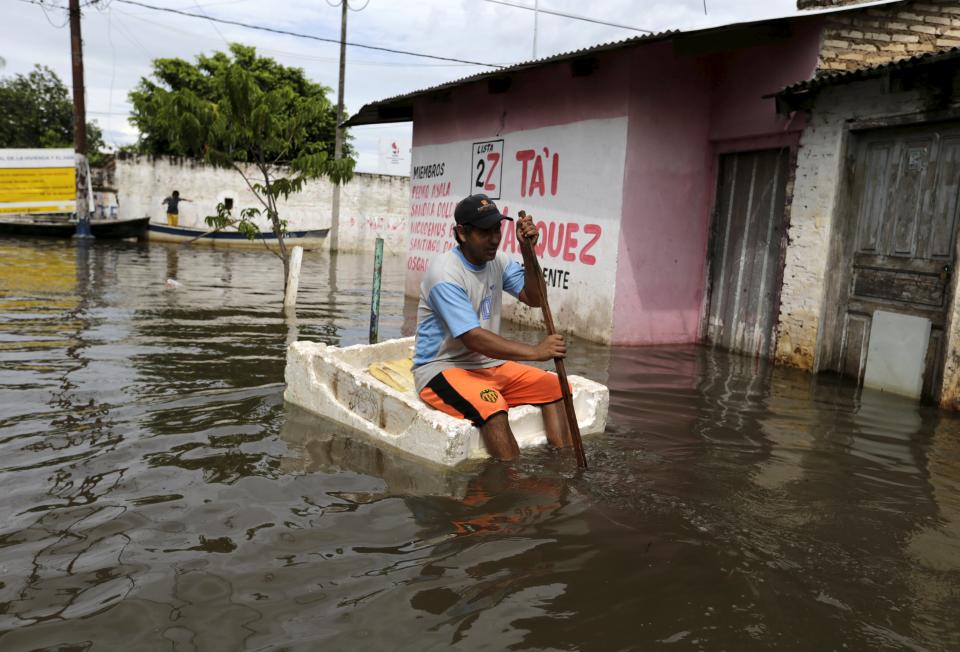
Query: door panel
pixel 874 207
pixel 943 202
pixel 856 335
pixel 746 250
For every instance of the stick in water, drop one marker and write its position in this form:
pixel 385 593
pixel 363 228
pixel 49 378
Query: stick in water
pixel 531 259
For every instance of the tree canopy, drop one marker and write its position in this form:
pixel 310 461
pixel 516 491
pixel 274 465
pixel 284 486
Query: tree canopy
pixel 269 133
pixel 38 112
pixel 206 81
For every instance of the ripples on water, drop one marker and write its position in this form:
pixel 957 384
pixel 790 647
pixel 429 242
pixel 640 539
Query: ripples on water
pixel 158 494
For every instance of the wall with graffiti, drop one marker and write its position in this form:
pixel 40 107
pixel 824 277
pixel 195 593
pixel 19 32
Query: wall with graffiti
pixel 543 172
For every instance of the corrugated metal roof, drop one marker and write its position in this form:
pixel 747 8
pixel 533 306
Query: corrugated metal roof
pixel 795 91
pixel 380 111
pixel 399 108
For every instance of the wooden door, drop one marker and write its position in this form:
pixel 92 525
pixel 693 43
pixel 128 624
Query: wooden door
pixel 746 246
pixel 902 248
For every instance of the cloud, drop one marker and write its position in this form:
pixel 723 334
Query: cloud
pixel 120 41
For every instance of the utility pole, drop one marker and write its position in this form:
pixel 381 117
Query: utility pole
pixel 536 14
pixel 79 122
pixel 338 142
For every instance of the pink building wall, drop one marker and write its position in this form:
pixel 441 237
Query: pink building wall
pixel 683 111
pixel 541 97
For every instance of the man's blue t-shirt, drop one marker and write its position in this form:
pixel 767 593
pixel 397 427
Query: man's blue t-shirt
pixel 457 296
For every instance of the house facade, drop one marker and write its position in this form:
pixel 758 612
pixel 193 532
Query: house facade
pixel 874 218
pixel 662 177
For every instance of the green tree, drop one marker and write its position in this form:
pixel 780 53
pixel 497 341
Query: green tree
pixel 267 134
pixel 205 79
pixel 37 112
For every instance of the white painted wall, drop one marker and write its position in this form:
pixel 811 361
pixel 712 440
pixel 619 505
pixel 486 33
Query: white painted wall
pixel 569 178
pixel 371 205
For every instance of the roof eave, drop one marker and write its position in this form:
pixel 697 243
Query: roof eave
pixel 799 95
pixel 369 113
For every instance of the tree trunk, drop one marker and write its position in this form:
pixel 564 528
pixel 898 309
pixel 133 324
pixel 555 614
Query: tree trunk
pixel 275 223
pixel 282 245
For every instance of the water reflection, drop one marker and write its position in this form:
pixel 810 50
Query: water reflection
pixel 158 494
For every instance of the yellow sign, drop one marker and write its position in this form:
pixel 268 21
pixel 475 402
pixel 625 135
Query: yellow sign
pixel 37 181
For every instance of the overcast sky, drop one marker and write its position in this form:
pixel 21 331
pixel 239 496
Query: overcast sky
pixel 120 41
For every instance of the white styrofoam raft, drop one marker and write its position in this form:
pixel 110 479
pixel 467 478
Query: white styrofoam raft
pixel 334 382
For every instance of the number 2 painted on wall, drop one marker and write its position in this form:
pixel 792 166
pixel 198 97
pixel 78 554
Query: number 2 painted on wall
pixel 487 184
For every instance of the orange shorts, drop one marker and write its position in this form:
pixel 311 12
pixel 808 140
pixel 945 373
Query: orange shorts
pixel 478 394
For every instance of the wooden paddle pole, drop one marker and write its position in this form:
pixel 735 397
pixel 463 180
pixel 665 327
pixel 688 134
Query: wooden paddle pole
pixel 530 258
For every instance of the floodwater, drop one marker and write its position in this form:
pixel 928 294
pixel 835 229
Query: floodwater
pixel 157 494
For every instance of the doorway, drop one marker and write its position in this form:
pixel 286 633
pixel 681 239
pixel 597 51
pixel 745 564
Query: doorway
pixel 899 241
pixel 746 251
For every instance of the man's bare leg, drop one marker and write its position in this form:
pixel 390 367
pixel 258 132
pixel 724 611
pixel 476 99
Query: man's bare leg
pixel 498 438
pixel 555 421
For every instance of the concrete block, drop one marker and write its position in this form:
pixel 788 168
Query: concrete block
pixel 896 353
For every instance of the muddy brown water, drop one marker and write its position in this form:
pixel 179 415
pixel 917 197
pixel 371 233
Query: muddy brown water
pixel 157 494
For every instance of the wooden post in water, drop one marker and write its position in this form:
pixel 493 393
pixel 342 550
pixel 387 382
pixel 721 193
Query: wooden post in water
pixel 293 280
pixel 531 256
pixel 79 124
pixel 375 299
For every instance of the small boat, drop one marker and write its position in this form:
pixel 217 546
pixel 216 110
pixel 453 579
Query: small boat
pixel 362 386
pixel 119 229
pixel 58 226
pixel 156 232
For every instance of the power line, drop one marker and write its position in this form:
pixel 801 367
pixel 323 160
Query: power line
pixel 212 23
pixel 295 55
pixel 299 35
pixel 563 15
pixel 43 7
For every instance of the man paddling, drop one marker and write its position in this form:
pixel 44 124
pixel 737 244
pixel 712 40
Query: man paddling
pixel 461 365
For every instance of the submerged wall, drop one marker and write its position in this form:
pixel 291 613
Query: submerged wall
pixel 371 205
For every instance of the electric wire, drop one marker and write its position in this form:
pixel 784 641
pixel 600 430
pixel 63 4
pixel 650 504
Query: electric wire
pixel 128 33
pixel 288 54
pixel 565 15
pixel 212 24
pixel 304 36
pixel 43 7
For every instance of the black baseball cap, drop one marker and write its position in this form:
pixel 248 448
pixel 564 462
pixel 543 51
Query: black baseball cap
pixel 479 211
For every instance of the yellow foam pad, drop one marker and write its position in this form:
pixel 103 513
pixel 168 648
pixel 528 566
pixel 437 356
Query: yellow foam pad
pixel 397 374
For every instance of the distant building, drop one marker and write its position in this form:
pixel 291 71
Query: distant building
pixel 663 177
